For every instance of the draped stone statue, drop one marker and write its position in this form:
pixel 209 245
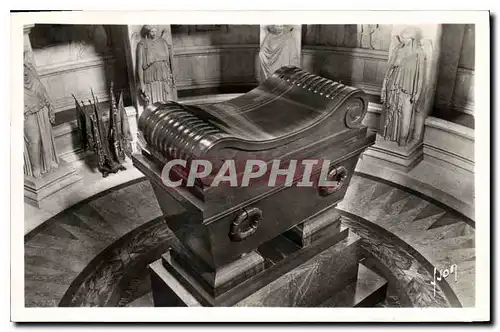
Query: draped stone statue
pixel 40 154
pixel 404 86
pixel 154 67
pixel 278 48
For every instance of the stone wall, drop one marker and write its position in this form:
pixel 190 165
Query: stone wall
pixel 213 59
pixel 463 94
pixel 215 56
pixel 73 59
pixel 210 59
pixel 354 54
pixel 455 92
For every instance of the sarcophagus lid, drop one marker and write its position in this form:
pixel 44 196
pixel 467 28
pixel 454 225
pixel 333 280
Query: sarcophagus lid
pixel 291 117
pixel 292 104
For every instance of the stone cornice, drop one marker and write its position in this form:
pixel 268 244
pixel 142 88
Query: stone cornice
pixel 27 28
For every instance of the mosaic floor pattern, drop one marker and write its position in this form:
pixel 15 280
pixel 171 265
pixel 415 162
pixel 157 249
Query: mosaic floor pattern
pixel 96 253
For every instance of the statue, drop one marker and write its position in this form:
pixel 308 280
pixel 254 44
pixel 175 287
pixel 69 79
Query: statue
pixel 40 154
pixel 404 86
pixel 154 67
pixel 278 48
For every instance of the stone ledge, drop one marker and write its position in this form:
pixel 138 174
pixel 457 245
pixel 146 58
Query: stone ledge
pixel 214 49
pixel 72 66
pixel 209 99
pixel 449 144
pixel 37 190
pixel 352 52
pixel 214 82
pixel 450 127
pixel 391 155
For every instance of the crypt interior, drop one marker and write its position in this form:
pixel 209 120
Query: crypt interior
pixel 92 240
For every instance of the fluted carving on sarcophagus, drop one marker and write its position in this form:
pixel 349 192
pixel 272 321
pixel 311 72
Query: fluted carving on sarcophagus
pixel 174 132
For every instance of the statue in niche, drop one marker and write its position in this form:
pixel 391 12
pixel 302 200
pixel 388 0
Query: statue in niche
pixel 154 67
pixel 278 48
pixel 40 154
pixel 404 86
pixel 366 33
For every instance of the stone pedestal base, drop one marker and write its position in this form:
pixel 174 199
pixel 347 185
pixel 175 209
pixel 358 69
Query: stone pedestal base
pixel 294 276
pixel 37 190
pixel 325 225
pixel 132 116
pixel 390 154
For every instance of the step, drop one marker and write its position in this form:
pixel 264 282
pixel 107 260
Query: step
pixel 144 301
pixel 369 289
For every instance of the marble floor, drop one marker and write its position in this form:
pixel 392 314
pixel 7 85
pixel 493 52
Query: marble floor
pixel 450 186
pixel 96 252
pixel 437 235
pixel 91 183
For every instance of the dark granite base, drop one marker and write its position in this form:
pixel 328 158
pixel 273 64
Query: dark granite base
pixel 314 281
pixel 303 277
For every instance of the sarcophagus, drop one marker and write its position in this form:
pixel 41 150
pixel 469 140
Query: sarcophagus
pixel 250 169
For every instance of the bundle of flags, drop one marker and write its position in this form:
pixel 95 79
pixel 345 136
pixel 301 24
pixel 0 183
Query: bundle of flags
pixel 111 140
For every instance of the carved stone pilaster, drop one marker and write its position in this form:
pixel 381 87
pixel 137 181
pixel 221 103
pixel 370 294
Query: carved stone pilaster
pixel 451 44
pixel 26 31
